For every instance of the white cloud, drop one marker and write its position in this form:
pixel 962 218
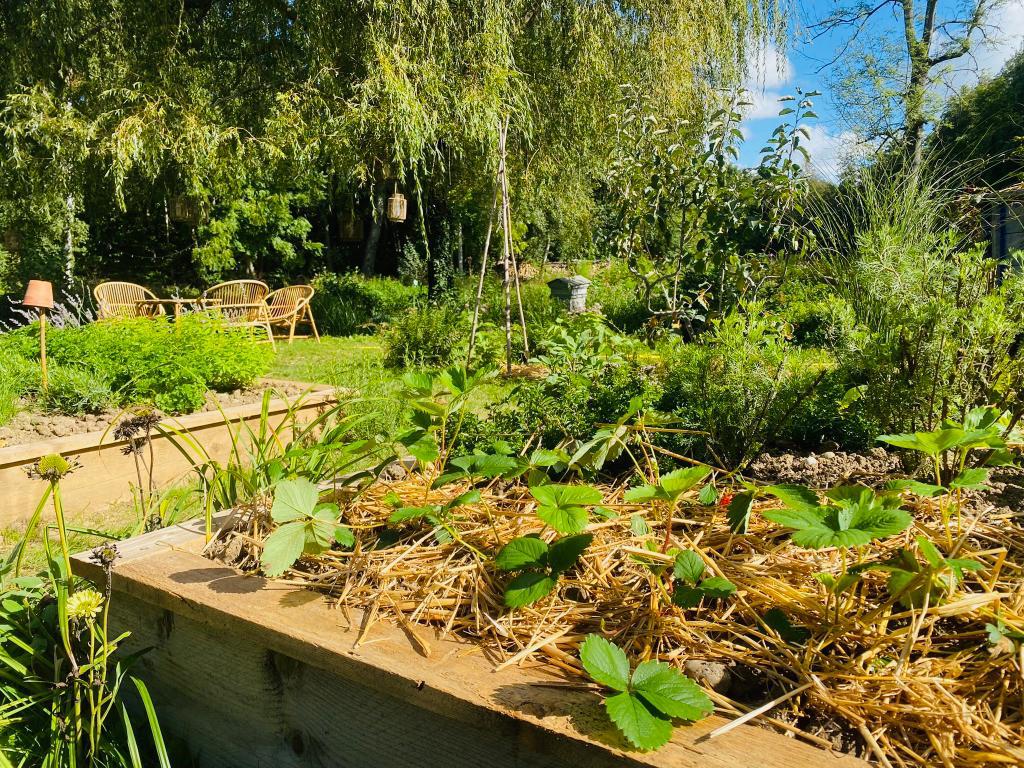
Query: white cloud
pixel 829 152
pixel 769 71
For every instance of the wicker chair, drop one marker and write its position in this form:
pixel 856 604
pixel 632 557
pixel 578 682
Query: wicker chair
pixel 116 299
pixel 242 304
pixel 290 306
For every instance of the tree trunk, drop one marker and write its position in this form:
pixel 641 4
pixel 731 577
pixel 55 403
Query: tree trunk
pixel 370 253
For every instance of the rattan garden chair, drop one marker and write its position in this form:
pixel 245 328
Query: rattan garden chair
pixel 242 304
pixel 290 306
pixel 117 299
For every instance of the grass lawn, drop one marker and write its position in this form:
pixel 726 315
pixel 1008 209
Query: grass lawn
pixel 357 363
pixel 353 362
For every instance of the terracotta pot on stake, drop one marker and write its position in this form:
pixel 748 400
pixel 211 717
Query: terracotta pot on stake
pixel 39 295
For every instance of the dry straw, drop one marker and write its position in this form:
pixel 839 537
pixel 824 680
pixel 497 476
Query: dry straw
pixel 901 687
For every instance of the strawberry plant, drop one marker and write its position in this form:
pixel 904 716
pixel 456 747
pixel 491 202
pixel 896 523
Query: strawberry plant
pixel 305 526
pixel 668 489
pixel 647 701
pixel 856 516
pixel 951 445
pixel 911 582
pixel 438 515
pixel 690 585
pixel 540 565
pixel 564 507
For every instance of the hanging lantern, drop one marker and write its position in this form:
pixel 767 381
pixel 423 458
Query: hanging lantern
pixel 397 206
pixel 181 208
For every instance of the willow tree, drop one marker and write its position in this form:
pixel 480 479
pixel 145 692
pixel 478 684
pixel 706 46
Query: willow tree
pixel 125 103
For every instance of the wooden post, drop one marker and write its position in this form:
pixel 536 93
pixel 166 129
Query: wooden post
pixel 42 349
pixel 483 272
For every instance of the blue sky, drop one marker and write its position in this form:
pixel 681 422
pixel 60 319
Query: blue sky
pixel 776 73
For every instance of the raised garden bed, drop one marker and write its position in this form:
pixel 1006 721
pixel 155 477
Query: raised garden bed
pixel 30 426
pixel 107 474
pixel 251 672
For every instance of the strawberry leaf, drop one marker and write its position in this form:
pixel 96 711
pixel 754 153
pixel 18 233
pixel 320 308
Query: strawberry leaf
pixel 283 547
pixel 689 567
pixel 643 729
pixel 527 588
pixel 564 553
pixel 605 662
pixel 294 500
pixel 524 552
pixel 669 691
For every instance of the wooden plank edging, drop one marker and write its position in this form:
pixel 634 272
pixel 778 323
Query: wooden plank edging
pixel 165 569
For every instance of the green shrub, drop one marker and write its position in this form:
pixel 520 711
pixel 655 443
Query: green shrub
pixel 75 389
pixel 426 337
pixel 618 294
pixel 563 407
pixel 539 309
pixel 169 364
pixel 741 385
pixel 818 317
pixel 345 304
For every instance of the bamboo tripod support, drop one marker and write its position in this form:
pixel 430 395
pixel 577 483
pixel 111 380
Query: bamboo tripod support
pixel 510 266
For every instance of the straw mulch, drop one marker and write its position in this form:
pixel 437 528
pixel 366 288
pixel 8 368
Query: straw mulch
pixel 899 687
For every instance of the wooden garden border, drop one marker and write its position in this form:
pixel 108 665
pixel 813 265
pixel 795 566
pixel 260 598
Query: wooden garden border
pixel 250 672
pixel 106 475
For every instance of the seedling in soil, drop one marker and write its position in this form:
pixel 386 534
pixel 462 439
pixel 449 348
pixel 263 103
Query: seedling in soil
pixel 647 701
pixel 541 565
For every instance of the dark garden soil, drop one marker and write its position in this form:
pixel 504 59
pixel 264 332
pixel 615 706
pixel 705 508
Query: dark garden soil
pixel 873 468
pixel 30 426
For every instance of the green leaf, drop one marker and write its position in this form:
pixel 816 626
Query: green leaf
pixel 524 552
pixel 344 536
pixel 681 480
pixel 643 493
pixel 925 490
pixel 790 633
pixel 717 587
pixel 294 500
pixel 795 497
pixel 527 588
pixel 564 519
pixel 605 662
pixel 402 514
pixel 689 567
pixel 283 547
pixel 638 526
pixel 708 495
pixel 495 465
pixel 739 511
pixel 563 554
pixel 670 692
pixel 424 450
pixel 686 596
pixel 971 479
pixel 566 495
pixel 643 729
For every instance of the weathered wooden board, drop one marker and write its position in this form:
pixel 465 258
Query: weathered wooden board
pixel 247 672
pixel 106 475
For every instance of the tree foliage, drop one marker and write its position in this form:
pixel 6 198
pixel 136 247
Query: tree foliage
pixel 113 109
